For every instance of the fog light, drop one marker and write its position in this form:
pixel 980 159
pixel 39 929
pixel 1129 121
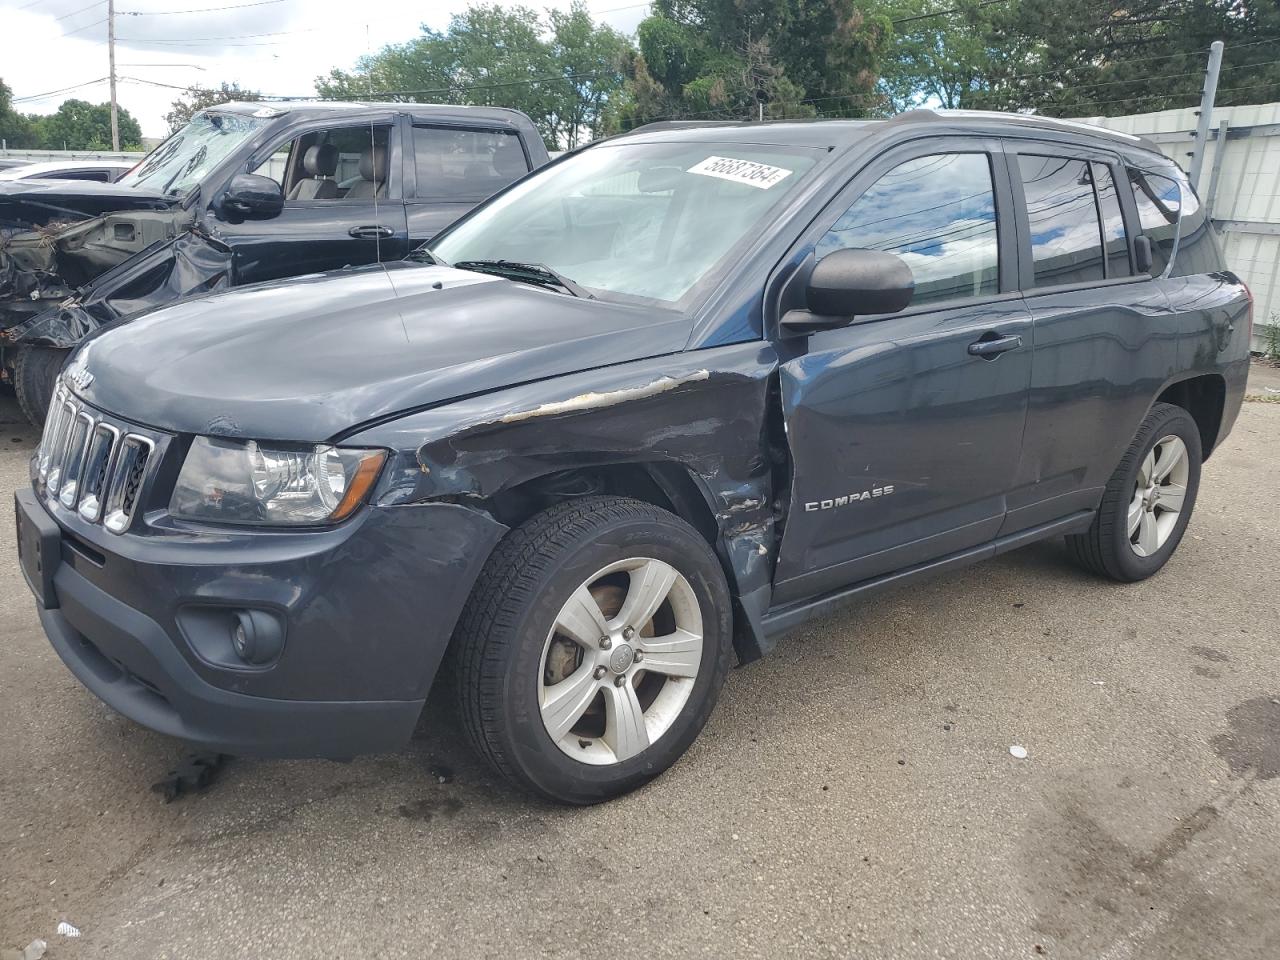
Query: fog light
pixel 256 637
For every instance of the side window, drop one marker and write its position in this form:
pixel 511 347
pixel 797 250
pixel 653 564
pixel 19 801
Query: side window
pixel 939 214
pixel 341 163
pixel 1114 238
pixel 1158 200
pixel 1066 238
pixel 98 176
pixel 466 164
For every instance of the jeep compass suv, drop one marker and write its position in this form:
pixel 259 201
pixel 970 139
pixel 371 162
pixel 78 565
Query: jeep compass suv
pixel 638 414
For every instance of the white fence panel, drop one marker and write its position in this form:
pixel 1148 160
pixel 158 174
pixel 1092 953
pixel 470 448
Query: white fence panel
pixel 1239 180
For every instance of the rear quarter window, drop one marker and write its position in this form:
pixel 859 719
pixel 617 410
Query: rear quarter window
pixel 1159 201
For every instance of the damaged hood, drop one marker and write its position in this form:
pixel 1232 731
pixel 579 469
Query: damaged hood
pixel 34 203
pixel 311 358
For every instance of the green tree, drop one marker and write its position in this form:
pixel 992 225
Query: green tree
pixel 196 98
pixel 1086 58
pixel 80 125
pixel 562 73
pixel 16 131
pixel 742 59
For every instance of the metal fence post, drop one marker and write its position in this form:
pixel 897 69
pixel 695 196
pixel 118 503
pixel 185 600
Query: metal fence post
pixel 1207 95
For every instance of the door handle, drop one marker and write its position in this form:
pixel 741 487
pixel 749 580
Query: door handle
pixel 992 345
pixel 371 232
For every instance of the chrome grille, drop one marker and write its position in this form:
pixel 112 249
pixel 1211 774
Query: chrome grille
pixel 89 465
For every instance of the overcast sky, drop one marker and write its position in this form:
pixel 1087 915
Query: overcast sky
pixel 276 46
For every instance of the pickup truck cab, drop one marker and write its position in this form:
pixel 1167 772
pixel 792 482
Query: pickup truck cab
pixel 661 401
pixel 245 192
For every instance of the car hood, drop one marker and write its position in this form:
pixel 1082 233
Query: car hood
pixel 310 358
pixel 34 203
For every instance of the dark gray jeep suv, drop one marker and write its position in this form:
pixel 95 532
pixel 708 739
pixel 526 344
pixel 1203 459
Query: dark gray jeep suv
pixel 644 410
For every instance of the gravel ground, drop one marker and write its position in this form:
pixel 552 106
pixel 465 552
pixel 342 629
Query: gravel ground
pixel 853 796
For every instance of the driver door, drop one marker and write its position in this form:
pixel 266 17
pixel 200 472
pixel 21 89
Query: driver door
pixel 358 221
pixel 905 443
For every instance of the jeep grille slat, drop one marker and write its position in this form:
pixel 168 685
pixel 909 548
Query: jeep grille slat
pixel 91 466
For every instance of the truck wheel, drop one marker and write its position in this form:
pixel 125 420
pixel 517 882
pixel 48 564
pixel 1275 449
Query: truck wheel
pixel 593 648
pixel 35 372
pixel 1148 500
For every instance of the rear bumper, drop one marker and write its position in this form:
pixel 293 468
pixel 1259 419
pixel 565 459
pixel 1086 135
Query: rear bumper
pixel 360 650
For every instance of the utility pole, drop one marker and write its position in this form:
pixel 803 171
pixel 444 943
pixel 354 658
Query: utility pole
pixel 110 56
pixel 1207 96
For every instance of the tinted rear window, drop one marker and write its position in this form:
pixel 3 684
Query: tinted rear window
pixel 1066 239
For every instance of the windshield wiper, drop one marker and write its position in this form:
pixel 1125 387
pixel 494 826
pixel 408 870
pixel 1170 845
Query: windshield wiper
pixel 538 274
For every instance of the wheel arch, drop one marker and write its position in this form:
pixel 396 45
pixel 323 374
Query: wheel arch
pixel 1204 397
pixel 686 433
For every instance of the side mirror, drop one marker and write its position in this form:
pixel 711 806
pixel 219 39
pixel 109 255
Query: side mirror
pixel 1142 254
pixel 847 283
pixel 250 196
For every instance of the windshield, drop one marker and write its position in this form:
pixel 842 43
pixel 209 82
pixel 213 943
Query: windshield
pixel 182 161
pixel 640 220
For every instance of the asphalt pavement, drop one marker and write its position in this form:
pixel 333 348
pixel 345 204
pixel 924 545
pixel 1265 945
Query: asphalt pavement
pixel 854 795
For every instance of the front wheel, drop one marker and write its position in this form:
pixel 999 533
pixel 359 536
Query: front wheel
pixel 1148 500
pixel 593 648
pixel 35 373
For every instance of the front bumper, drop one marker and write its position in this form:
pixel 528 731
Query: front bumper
pixel 367 609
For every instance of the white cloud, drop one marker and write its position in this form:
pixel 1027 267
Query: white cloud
pixel 40 53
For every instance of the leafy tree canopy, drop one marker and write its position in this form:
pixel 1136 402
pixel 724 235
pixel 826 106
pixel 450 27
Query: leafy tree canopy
pixel 563 71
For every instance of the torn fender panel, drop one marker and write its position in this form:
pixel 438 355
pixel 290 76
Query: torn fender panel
pixel 704 411
pixel 188 265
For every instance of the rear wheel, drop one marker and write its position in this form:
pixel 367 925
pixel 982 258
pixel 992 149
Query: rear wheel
pixel 593 648
pixel 35 372
pixel 1148 500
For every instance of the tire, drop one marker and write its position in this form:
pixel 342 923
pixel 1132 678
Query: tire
pixel 1112 547
pixel 35 372
pixel 510 652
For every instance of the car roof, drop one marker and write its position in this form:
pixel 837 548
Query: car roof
pixel 42 167
pixel 830 134
pixel 327 108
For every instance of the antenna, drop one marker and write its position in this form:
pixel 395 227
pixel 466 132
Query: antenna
pixel 373 150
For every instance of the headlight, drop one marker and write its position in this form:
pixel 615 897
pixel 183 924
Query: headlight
pixel 236 481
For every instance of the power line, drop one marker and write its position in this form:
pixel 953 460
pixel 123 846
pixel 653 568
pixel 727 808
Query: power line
pixel 238 36
pixel 96 23
pixel 172 13
pixel 50 93
pixel 945 13
pixel 74 12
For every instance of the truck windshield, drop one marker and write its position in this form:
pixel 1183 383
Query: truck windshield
pixel 184 159
pixel 644 221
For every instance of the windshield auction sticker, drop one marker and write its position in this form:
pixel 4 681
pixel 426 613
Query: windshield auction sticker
pixel 741 171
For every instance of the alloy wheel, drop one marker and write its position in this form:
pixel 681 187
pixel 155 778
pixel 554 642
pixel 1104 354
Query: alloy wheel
pixel 1158 495
pixel 620 662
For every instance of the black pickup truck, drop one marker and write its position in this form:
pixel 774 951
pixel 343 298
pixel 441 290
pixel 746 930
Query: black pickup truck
pixel 243 193
pixel 657 403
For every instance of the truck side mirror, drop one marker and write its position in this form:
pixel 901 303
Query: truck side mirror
pixel 846 283
pixel 249 196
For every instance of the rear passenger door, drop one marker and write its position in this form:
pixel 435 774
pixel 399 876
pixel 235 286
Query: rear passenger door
pixel 1103 341
pixel 455 167
pixel 905 441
